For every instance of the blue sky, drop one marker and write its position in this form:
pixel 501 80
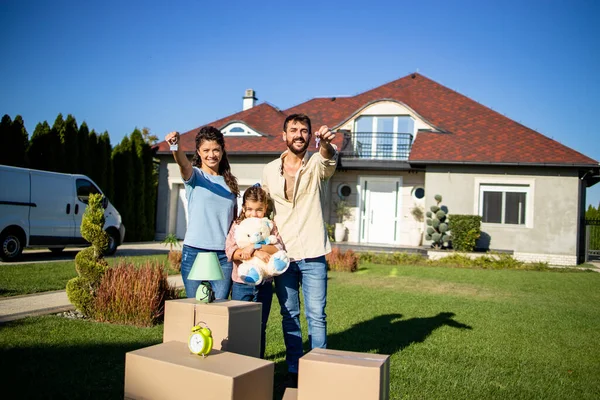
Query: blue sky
pixel 127 64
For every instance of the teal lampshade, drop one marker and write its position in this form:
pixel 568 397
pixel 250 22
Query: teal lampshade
pixel 206 268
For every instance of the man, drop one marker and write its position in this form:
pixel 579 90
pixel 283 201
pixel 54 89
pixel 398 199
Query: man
pixel 296 184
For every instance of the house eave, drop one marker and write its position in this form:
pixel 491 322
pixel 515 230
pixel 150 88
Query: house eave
pixel 503 164
pixel 368 164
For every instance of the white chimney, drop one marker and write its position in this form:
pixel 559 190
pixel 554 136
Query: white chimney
pixel 249 99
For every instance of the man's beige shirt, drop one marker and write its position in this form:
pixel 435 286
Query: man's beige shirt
pixel 300 219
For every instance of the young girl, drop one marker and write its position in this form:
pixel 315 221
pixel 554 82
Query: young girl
pixel 255 204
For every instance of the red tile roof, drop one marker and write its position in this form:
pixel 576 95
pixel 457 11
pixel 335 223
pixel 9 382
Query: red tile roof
pixel 472 133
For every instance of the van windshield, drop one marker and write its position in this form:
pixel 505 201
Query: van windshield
pixel 84 189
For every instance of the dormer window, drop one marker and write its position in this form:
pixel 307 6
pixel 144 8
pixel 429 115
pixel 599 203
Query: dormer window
pixel 239 129
pixel 384 136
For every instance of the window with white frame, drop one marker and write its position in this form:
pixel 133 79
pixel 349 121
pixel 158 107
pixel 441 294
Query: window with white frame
pixel 381 136
pixel 504 204
pixel 238 129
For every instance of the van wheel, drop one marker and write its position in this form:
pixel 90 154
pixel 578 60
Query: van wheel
pixel 56 250
pixel 12 246
pixel 113 242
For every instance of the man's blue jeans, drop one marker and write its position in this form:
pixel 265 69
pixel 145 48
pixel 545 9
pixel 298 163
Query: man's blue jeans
pixel 311 274
pixel 221 288
pixel 263 294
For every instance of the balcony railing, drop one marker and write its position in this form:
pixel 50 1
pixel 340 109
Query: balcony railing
pixel 377 146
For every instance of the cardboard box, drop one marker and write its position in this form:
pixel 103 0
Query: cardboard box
pixel 290 394
pixel 235 325
pixel 334 374
pixel 170 371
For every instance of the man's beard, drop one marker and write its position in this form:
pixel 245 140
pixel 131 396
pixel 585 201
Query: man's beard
pixel 295 150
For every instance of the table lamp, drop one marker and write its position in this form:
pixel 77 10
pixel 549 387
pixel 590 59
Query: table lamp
pixel 206 268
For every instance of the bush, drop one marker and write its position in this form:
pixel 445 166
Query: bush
pixel 133 296
pixel 175 260
pixel 466 229
pixel 437 225
pixel 392 258
pixel 89 263
pixel 330 232
pixel 342 261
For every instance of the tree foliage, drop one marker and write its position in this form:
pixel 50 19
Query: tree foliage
pixel 127 174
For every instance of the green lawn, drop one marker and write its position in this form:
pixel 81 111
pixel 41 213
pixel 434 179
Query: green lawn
pixel 452 334
pixel 18 279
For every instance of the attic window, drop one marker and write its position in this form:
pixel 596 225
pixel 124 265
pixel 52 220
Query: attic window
pixel 239 129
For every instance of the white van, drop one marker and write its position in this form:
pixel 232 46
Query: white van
pixel 44 209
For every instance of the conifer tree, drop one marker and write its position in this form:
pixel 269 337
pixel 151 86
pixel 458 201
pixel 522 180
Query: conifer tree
pixel 19 142
pixel 70 146
pixel 40 153
pixel 5 136
pixel 83 143
pixel 55 143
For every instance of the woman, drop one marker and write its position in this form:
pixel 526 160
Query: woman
pixel 211 191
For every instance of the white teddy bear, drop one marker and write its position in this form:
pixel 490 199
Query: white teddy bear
pixel 257 231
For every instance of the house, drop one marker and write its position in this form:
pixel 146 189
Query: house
pixel 400 145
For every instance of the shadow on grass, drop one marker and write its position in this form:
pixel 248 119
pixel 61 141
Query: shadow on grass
pixel 384 334
pixel 72 372
pixel 389 334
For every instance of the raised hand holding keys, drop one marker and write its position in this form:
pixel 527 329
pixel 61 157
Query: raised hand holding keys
pixel 325 135
pixel 173 140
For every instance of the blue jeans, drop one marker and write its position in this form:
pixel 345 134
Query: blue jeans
pixel 263 294
pixel 221 288
pixel 311 274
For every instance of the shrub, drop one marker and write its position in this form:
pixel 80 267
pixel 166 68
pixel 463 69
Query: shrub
pixel 133 296
pixel 89 263
pixel 437 229
pixel 466 229
pixel 171 240
pixel 392 258
pixel 175 260
pixel 330 232
pixel 342 261
pixel 342 210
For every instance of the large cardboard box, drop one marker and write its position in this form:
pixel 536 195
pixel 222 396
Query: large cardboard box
pixel 235 325
pixel 169 371
pixel 290 394
pixel 335 374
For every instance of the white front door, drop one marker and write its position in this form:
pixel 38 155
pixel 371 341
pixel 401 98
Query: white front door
pixel 380 208
pixel 182 214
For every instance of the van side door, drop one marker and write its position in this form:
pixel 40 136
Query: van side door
pixel 51 221
pixel 84 188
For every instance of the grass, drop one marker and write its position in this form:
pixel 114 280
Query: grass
pixel 19 279
pixel 451 333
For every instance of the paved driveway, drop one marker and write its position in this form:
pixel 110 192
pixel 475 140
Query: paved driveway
pixel 125 250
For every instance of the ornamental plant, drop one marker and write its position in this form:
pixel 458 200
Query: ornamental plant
pixel 89 263
pixel 133 296
pixel 437 225
pixel 342 261
pixel 466 229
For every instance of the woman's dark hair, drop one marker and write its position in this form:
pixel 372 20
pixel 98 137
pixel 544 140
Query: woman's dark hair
pixel 212 134
pixel 257 194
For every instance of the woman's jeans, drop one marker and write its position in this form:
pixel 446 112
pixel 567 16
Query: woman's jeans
pixel 263 294
pixel 311 274
pixel 221 288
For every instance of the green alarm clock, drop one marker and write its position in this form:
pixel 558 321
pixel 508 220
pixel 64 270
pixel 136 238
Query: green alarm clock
pixel 200 341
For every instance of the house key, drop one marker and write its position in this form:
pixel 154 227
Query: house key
pixel 173 144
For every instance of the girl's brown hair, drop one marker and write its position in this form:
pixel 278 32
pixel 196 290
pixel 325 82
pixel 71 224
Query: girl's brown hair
pixel 257 194
pixel 210 133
